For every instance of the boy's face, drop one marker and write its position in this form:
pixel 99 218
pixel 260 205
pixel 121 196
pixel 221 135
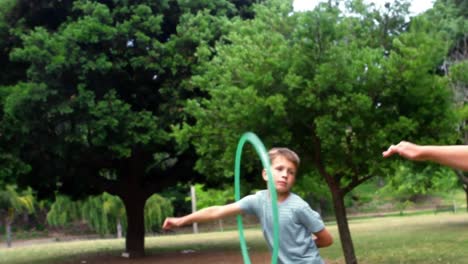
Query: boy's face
pixel 284 174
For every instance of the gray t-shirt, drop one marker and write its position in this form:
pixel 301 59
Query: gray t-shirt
pixel 297 222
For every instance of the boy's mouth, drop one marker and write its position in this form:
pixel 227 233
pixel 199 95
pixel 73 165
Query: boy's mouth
pixel 281 183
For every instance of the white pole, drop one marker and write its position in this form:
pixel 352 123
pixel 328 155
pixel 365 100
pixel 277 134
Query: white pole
pixel 194 207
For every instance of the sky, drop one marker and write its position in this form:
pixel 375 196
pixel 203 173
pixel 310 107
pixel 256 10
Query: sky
pixel 417 6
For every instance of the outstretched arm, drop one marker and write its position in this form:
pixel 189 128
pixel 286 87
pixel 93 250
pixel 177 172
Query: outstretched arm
pixel 206 214
pixel 455 156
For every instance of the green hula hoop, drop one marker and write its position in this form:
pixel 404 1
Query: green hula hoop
pixel 262 153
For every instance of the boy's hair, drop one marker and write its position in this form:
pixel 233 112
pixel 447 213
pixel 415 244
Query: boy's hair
pixel 284 152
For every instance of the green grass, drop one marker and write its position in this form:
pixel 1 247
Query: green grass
pixel 56 252
pixel 441 238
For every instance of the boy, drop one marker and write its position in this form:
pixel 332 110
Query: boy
pixel 296 219
pixel 455 156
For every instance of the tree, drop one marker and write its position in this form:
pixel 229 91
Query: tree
pixel 157 208
pixel 64 211
pixel 451 18
pixel 12 203
pixel 459 81
pixel 326 85
pixel 101 85
pixel 104 213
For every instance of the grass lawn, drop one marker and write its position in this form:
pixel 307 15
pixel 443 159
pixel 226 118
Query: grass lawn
pixel 441 238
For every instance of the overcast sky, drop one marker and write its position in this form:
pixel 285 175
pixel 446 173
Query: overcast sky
pixel 417 6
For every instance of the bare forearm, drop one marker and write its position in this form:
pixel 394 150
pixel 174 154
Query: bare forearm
pixel 323 239
pixel 204 215
pixel 453 156
pixel 321 243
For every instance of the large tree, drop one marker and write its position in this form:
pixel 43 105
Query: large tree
pixel 450 17
pixel 97 87
pixel 336 87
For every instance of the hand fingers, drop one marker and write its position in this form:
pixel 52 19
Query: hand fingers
pixel 167 224
pixel 390 151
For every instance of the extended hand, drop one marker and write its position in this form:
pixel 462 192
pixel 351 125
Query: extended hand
pixel 405 149
pixel 172 222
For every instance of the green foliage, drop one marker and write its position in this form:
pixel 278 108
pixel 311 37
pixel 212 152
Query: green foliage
pixel 64 211
pixel 178 196
pixel 209 197
pixel 449 17
pixel 247 66
pixel 458 73
pixel 336 88
pixel 408 181
pixel 104 212
pixel 13 202
pixel 11 167
pixel 92 89
pixel 306 81
pixel 157 208
pixel 402 205
pixel 309 183
pixel 104 85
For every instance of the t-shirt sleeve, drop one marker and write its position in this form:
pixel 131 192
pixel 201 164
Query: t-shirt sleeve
pixel 248 204
pixel 310 219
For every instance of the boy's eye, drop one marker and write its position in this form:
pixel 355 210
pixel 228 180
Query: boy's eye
pixel 281 168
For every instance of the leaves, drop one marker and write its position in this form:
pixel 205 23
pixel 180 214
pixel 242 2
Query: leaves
pixel 103 212
pixel 308 82
pixel 408 181
pixel 13 202
pixel 106 84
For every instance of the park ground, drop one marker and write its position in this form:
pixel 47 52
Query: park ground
pixel 427 238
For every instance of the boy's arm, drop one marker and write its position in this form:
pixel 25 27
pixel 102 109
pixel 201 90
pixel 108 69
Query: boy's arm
pixel 206 214
pixel 455 156
pixel 323 238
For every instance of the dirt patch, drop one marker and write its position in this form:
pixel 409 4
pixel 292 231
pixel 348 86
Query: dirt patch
pixel 184 257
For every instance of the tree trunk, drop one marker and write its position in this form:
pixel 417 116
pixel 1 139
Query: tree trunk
pixel 119 228
pixel 343 227
pixel 193 196
pixel 26 218
pixel 135 236
pixel 8 233
pixel 220 222
pixel 466 194
pixel 464 181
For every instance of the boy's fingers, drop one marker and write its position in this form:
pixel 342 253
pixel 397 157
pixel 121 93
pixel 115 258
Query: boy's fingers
pixel 390 151
pixel 166 224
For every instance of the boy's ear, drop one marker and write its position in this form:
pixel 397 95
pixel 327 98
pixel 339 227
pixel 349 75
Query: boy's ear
pixel 264 175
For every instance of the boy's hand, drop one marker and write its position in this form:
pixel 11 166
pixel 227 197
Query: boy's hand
pixel 172 222
pixel 405 149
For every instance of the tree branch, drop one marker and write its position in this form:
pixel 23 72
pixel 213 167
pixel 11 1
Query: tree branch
pixel 317 149
pixel 355 182
pixel 462 177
